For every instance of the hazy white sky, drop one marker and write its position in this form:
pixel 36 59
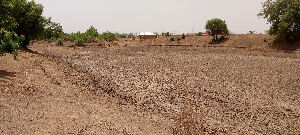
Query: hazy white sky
pixel 181 16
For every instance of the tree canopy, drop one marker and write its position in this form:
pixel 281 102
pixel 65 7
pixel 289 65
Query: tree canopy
pixel 216 27
pixel 284 17
pixel 20 22
pixel 51 30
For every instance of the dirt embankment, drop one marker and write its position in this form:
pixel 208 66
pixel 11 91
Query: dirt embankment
pixel 234 87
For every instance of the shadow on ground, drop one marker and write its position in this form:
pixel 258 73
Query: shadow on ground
pixel 219 42
pixel 286 47
pixel 4 75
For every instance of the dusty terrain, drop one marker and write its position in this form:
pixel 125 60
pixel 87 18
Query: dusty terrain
pixel 240 86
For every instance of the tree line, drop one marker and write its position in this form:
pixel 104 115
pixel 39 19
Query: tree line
pixel 21 21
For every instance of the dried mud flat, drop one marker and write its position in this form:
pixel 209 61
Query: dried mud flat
pixel 141 89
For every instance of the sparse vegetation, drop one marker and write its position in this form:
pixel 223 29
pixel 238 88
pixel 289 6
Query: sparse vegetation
pixel 91 34
pixel 79 41
pixel 183 36
pixel 108 36
pixel 59 42
pixel 178 38
pixel 199 34
pixel 172 39
pixel 251 32
pixel 50 40
pixel 123 35
pixel 167 34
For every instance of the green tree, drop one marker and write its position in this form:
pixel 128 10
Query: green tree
pixel 284 17
pixel 216 27
pixel 30 21
pixel 23 18
pixel 9 40
pixel 52 30
pixel 6 21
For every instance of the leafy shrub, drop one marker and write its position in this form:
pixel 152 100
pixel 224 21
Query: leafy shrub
pixel 9 42
pixel 122 35
pixel 265 39
pixel 91 35
pixel 178 38
pixel 183 36
pixel 79 41
pixel 59 42
pixel 108 36
pixel 172 39
pixel 199 34
pixel 50 40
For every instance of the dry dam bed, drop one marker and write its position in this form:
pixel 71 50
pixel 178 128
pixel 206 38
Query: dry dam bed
pixel 229 90
pixel 240 91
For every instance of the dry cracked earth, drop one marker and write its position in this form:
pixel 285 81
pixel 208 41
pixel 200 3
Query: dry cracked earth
pixel 142 89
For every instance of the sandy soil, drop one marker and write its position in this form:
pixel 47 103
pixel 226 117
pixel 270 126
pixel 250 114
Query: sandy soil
pixel 240 86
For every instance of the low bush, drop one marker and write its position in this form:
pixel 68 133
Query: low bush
pixel 59 42
pixel 178 38
pixel 199 34
pixel 172 39
pixel 50 40
pixel 108 36
pixel 79 41
pixel 183 36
